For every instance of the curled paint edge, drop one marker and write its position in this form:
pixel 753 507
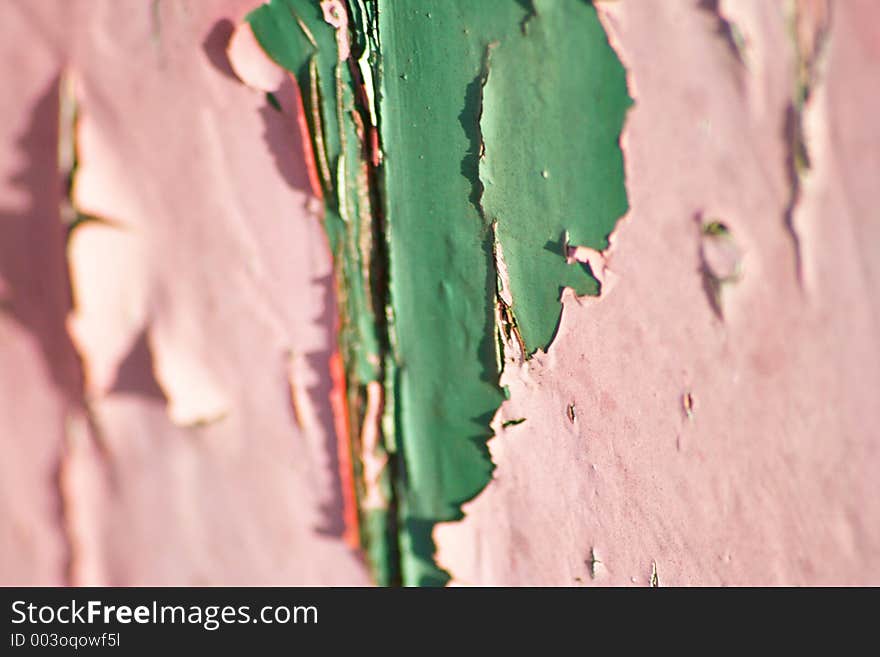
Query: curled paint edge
pixel 256 70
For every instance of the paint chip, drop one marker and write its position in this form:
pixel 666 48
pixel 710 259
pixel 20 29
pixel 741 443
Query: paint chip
pixel 594 563
pixel 720 261
pixel 687 403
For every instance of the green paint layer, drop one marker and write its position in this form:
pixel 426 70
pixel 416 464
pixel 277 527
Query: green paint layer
pixel 502 112
pixel 442 275
pixel 296 36
pixel 538 86
pixel 554 103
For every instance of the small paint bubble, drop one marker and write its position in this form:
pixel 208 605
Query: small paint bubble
pixel 545 174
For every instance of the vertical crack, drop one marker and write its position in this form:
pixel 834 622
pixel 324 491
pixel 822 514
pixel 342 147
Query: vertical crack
pixel 809 25
pixel 727 29
pixel 80 425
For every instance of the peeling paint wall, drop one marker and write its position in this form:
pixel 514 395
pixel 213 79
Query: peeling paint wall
pixel 158 443
pixel 518 292
pixel 667 443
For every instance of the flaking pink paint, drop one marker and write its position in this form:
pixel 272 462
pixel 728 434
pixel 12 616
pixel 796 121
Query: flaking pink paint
pixel 773 480
pixel 39 382
pixel 186 465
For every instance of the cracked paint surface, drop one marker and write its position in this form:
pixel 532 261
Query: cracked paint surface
pixel 767 477
pixel 442 282
pixel 469 208
pixel 567 185
pixel 270 277
pixel 332 64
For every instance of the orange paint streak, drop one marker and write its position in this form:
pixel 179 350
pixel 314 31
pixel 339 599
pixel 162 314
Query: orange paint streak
pixel 338 394
pixel 339 405
pixel 311 165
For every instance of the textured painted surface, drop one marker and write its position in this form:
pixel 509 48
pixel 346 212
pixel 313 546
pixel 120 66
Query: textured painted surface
pixel 551 168
pixel 442 278
pixel 203 450
pixel 39 382
pixel 331 62
pixel 660 442
pixel 517 172
pixel 183 400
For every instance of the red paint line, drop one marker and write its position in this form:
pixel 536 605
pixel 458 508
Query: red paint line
pixel 303 125
pixel 339 405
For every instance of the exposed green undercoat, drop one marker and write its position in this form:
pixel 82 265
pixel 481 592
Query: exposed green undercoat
pixel 553 107
pixel 294 34
pixel 285 29
pixel 442 275
pixel 552 97
pixel 538 85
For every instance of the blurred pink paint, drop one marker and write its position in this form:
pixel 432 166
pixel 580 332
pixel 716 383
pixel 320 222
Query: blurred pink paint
pixel 181 461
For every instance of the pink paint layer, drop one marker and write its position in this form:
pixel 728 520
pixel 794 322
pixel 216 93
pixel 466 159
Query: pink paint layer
pixel 742 451
pixel 204 274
